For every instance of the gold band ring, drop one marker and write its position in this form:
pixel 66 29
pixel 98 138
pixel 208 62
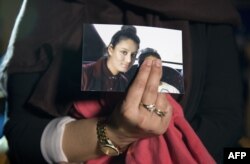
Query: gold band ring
pixel 159 112
pixel 150 107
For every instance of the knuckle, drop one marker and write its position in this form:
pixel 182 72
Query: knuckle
pixel 162 131
pixel 140 84
pixel 169 108
pixel 141 123
pixel 151 89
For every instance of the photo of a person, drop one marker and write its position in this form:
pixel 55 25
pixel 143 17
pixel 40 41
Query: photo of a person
pixel 153 54
pixel 108 72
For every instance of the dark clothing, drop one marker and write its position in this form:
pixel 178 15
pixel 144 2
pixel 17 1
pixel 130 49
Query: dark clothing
pixel 97 77
pixel 51 50
pixel 43 28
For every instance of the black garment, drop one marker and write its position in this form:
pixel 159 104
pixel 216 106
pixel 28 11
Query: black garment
pixel 97 77
pixel 51 50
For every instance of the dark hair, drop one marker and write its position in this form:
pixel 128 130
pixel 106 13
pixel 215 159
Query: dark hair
pixel 147 52
pixel 126 32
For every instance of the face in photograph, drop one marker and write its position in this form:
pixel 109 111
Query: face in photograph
pixel 122 55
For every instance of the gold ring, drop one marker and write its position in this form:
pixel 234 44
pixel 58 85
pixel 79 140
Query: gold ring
pixel 159 112
pixel 150 107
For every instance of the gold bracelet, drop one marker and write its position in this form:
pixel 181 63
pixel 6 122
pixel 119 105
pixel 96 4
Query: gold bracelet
pixel 104 143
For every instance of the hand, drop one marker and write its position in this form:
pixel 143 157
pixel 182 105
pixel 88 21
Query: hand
pixel 131 120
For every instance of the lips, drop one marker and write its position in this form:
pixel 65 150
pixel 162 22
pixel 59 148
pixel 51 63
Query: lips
pixel 125 66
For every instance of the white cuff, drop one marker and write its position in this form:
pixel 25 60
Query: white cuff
pixel 51 141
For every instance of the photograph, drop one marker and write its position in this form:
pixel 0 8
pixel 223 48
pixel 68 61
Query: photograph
pixel 113 53
pixel 124 82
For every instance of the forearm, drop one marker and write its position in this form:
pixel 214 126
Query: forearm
pixel 80 140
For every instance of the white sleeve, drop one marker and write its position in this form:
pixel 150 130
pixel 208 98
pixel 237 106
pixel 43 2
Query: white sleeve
pixel 51 141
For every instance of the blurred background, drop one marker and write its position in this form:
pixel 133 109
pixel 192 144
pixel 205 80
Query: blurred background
pixel 8 12
pixel 242 35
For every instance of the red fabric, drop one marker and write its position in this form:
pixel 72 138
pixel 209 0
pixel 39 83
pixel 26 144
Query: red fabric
pixel 178 145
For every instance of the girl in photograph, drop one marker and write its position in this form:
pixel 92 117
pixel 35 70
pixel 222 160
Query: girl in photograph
pixel 153 54
pixel 107 73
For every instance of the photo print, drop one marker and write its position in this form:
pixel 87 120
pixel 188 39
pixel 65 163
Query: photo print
pixel 112 54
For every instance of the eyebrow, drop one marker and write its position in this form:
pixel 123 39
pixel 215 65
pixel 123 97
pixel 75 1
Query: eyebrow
pixel 128 50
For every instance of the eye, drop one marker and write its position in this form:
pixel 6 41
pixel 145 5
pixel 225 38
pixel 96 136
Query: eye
pixel 124 52
pixel 133 55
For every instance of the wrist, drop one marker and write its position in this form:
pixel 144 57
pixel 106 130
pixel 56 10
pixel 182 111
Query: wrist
pixel 105 144
pixel 118 137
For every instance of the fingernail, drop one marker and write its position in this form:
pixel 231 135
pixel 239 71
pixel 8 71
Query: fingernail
pixel 147 62
pixel 157 63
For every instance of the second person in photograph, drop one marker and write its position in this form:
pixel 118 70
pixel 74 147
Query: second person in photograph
pixel 153 54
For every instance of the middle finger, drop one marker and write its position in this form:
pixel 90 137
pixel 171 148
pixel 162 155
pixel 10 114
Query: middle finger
pixel 151 90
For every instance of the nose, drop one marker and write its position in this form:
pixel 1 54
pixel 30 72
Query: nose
pixel 128 58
